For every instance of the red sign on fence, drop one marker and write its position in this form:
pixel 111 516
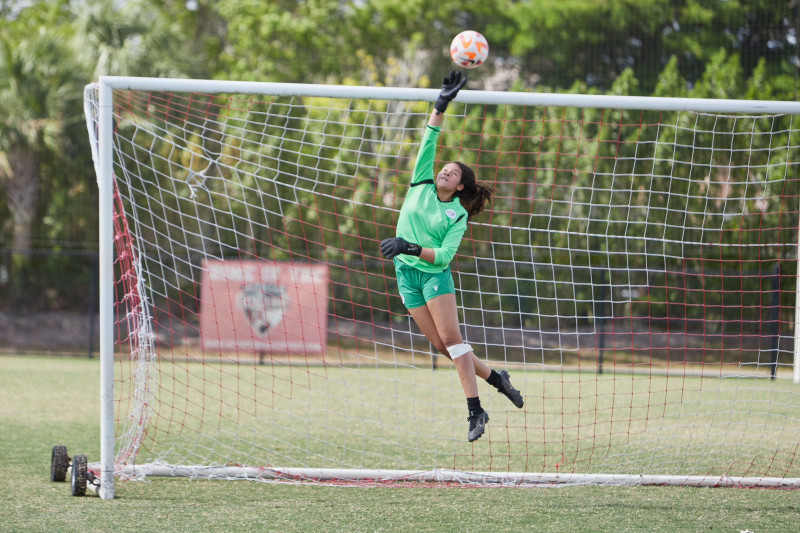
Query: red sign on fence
pixel 264 307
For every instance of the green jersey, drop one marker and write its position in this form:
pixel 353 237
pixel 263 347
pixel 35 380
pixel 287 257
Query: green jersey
pixel 426 220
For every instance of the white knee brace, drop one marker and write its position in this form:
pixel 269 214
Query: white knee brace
pixel 457 350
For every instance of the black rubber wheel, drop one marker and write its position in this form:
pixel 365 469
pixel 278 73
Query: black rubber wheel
pixel 79 470
pixel 59 463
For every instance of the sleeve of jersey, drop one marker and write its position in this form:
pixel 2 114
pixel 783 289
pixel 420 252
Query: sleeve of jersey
pixel 450 243
pixel 423 166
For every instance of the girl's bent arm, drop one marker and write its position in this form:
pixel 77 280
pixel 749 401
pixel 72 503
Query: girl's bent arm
pixel 428 254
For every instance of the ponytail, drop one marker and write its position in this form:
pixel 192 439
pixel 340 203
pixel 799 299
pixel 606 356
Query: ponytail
pixel 475 195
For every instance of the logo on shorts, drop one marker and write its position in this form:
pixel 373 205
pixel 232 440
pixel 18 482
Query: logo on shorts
pixel 450 213
pixel 436 288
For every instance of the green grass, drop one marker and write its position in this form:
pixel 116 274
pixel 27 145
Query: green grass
pixel 413 418
pixel 46 401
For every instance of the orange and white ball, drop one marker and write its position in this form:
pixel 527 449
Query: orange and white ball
pixel 469 49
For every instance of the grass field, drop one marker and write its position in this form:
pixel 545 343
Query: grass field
pixel 47 401
pixel 411 418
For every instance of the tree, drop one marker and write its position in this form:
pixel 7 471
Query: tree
pixel 595 41
pixel 37 88
pixel 328 40
pixel 134 38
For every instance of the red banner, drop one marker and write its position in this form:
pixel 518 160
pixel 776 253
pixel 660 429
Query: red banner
pixel 264 307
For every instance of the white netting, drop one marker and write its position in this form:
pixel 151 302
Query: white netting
pixel 636 274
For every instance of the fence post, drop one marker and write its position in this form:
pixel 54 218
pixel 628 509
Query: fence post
pixel 92 303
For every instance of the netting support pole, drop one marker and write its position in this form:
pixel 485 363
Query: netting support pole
pixel 775 319
pixel 106 273
pixel 796 365
pixel 600 321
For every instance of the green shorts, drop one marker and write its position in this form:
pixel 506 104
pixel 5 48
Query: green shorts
pixel 418 287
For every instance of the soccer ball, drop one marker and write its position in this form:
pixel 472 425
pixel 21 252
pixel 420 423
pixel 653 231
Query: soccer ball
pixel 469 49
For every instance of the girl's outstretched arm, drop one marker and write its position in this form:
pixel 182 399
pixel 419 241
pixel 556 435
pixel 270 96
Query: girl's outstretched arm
pixel 451 84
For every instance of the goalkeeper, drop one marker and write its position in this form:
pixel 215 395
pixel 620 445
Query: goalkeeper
pixel 432 222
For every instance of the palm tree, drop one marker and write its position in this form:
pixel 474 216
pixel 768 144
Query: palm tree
pixel 38 86
pixel 134 38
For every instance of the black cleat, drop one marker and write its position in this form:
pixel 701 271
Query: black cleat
pixel 477 425
pixel 508 390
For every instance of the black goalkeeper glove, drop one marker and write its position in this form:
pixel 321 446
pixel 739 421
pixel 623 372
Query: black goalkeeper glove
pixel 450 86
pixel 395 246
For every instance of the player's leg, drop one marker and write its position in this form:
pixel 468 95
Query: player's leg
pixel 443 312
pixel 411 283
pixel 425 323
pixel 424 320
pixel 445 317
pixel 441 284
pixel 478 418
pixel 422 317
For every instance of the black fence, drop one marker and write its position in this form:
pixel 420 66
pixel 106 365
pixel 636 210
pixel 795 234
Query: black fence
pixel 48 301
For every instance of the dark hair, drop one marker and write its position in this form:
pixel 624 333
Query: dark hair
pixel 475 195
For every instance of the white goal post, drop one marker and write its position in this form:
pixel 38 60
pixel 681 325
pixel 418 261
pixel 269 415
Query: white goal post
pixel 637 274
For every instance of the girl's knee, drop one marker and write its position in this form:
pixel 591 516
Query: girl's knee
pixel 452 340
pixel 457 350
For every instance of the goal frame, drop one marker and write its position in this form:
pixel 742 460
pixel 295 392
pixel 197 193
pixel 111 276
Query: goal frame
pixel 108 84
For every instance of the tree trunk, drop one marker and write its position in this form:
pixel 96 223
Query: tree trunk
pixel 22 191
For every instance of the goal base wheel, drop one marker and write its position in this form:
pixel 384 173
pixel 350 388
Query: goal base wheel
pixel 59 463
pixel 79 475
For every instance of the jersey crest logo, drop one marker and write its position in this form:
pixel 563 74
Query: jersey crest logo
pixel 450 213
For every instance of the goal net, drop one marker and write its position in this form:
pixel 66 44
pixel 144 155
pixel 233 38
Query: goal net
pixel 636 274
